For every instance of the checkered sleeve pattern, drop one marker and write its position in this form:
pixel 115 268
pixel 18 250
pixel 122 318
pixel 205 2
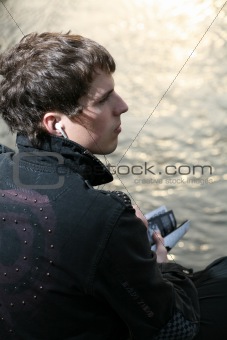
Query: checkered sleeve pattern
pixel 178 328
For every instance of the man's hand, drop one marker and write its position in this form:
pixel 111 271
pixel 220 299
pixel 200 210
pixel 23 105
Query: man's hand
pixel 161 250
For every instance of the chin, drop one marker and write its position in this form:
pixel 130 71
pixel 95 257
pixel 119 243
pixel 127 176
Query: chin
pixel 106 150
pixel 111 149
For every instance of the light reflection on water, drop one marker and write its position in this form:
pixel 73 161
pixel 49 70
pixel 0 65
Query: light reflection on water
pixel 151 41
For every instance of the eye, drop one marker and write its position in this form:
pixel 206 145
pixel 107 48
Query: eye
pixel 103 100
pixel 106 97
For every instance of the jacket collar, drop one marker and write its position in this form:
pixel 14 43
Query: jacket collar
pixel 76 157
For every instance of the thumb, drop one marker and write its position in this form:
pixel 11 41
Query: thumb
pixel 158 239
pixel 161 251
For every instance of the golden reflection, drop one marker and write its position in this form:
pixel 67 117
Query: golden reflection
pixel 164 142
pixel 192 247
pixel 171 257
pixel 139 188
pixel 143 156
pixel 117 183
pixel 192 8
pixel 215 178
pixel 181 244
pixel 213 210
pixel 160 193
pixel 215 152
pixel 204 247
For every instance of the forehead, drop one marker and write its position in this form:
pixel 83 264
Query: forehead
pixel 102 83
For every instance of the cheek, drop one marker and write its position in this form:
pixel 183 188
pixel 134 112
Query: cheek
pixel 102 126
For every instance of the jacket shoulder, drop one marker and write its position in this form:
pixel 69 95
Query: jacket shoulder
pixel 120 196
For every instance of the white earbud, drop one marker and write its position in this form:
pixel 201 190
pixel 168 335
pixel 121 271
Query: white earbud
pixel 59 128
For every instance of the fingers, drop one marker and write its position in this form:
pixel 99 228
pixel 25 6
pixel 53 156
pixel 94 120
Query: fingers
pixel 161 250
pixel 158 239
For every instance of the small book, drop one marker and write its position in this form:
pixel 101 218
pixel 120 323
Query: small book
pixel 164 221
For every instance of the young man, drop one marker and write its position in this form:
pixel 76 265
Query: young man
pixel 75 261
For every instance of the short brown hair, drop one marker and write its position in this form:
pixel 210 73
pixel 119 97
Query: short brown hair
pixel 47 72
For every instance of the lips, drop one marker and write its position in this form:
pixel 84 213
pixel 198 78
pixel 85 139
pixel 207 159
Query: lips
pixel 118 129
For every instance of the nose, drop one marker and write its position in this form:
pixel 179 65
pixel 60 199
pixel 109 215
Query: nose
pixel 121 106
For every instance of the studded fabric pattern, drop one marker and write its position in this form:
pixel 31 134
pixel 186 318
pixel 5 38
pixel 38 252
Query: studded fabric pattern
pixel 178 328
pixel 123 197
pixel 23 273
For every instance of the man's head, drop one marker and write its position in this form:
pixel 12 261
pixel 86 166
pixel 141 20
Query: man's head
pixel 98 125
pixel 50 73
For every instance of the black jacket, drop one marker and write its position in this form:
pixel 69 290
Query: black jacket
pixel 75 262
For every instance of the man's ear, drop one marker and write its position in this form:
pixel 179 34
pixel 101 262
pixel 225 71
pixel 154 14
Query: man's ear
pixel 49 121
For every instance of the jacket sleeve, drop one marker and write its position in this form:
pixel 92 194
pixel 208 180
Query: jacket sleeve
pixel 155 301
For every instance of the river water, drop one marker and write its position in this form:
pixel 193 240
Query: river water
pixel 172 70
